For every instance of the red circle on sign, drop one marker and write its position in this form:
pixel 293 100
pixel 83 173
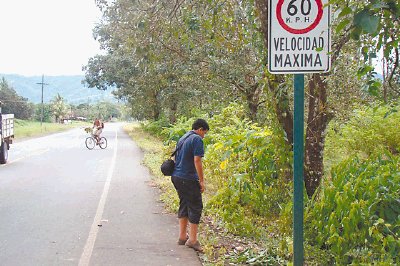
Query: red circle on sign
pixel 298 31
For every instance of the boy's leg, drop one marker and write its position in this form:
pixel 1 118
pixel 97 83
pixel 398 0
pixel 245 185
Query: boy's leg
pixel 183 222
pixel 193 229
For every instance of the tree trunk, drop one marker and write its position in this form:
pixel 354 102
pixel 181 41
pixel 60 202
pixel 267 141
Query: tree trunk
pixel 262 7
pixel 173 109
pixel 253 109
pixel 281 105
pixel 253 95
pixel 156 112
pixel 156 106
pixel 317 122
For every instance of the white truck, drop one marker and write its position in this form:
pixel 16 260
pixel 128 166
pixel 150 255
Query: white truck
pixel 6 135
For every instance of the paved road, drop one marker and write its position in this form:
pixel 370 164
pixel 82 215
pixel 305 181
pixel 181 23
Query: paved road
pixel 61 204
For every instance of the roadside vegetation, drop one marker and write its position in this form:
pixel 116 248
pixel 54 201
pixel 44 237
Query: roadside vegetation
pixel 26 129
pixel 352 219
pixel 173 61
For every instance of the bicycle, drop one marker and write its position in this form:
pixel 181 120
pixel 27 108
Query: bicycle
pixel 91 142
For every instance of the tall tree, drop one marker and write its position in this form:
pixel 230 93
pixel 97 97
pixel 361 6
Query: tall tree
pixel 59 108
pixel 319 112
pixel 13 103
pixel 182 53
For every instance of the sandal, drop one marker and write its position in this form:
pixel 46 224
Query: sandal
pixel 182 242
pixel 196 246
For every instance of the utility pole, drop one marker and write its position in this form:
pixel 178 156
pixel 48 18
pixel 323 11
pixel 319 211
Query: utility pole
pixel 41 115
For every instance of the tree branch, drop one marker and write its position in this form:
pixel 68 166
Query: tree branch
pixel 395 65
pixel 175 8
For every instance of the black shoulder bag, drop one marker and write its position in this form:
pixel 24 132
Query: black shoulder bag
pixel 168 166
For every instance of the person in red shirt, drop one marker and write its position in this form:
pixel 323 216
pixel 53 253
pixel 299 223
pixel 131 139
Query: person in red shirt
pixel 98 126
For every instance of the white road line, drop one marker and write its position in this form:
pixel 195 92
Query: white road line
pixel 87 251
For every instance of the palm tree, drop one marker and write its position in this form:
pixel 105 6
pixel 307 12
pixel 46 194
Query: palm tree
pixel 59 107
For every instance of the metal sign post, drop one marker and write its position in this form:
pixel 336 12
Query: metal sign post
pixel 298 173
pixel 299 42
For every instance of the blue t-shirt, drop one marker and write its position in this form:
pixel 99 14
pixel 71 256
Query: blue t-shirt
pixel 184 158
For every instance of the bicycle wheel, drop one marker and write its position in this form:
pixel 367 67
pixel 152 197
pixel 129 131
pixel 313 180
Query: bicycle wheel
pixel 103 143
pixel 90 143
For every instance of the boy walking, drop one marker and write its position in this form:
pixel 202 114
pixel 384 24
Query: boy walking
pixel 188 180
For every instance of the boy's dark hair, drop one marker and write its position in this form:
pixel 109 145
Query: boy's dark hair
pixel 200 123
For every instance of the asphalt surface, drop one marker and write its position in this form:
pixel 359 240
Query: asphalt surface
pixel 62 204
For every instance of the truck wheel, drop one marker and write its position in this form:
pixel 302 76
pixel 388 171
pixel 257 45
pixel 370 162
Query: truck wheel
pixel 3 153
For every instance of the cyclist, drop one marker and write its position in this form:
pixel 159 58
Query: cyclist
pixel 98 126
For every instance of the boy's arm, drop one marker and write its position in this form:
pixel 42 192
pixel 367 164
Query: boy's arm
pixel 199 168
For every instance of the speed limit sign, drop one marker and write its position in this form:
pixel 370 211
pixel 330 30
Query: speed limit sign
pixel 299 36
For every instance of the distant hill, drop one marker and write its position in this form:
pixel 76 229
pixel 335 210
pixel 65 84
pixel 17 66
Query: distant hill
pixel 69 87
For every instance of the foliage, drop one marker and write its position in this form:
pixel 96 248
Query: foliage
pixel 346 90
pixel 155 127
pixel 357 214
pixel 370 130
pixel 233 188
pixel 244 166
pixel 269 256
pixel 103 109
pixel 172 133
pixel 248 166
pixel 175 132
pixel 12 103
pixel 59 108
pixel 375 25
pixel 165 58
pixel 323 102
pixel 43 113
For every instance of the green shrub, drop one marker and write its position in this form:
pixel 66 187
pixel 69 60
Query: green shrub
pixel 176 131
pixel 357 216
pixel 156 127
pixel 246 162
pixel 246 167
pixel 369 131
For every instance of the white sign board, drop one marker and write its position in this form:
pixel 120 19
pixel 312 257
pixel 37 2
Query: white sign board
pixel 299 36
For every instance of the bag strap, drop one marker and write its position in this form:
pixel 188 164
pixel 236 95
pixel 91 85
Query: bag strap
pixel 181 144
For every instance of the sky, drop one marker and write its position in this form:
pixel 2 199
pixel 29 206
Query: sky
pixel 47 37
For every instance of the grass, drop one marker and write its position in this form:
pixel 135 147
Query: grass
pixel 28 129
